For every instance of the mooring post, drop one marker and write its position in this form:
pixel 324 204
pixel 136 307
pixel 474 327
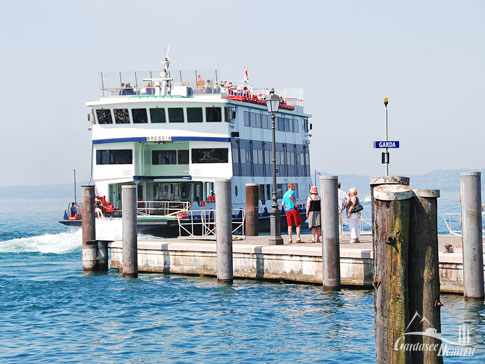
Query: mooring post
pixel 330 233
pixel 89 250
pixel 424 277
pixel 471 216
pixel 252 209
pixel 129 232
pixel 391 246
pixel 224 230
pixel 383 180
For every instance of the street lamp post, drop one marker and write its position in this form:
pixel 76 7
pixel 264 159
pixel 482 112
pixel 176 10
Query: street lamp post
pixel 273 104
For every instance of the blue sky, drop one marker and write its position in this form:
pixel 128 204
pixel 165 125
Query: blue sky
pixel 428 57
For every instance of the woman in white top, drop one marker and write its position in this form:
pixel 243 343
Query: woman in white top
pixel 353 217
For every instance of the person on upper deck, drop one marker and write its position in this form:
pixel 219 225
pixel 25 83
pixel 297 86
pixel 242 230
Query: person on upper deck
pixel 200 83
pixel 208 87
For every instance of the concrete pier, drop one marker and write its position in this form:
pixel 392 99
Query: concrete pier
pixel 129 232
pixel 254 257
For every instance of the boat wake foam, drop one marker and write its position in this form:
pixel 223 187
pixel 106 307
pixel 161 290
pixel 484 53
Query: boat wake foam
pixel 65 242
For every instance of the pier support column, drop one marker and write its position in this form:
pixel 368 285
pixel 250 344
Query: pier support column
pixel 330 233
pixel 252 210
pixel 424 277
pixel 224 230
pixel 471 216
pixel 89 251
pixel 391 246
pixel 129 232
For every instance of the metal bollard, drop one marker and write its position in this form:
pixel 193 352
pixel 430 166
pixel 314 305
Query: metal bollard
pixel 391 246
pixel 224 230
pixel 470 196
pixel 88 228
pixel 129 232
pixel 102 256
pixel 330 233
pixel 424 277
pixel 252 210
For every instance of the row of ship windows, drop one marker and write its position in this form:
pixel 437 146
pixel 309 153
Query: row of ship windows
pixel 163 115
pixel 263 120
pixel 195 115
pixel 164 157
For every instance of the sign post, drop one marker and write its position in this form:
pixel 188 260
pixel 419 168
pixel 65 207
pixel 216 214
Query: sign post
pixel 386 144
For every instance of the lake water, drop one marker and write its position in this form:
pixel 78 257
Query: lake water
pixel 51 312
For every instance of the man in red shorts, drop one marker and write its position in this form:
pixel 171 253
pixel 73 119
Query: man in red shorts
pixel 293 216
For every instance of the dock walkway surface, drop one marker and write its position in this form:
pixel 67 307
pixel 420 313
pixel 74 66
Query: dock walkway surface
pixel 253 257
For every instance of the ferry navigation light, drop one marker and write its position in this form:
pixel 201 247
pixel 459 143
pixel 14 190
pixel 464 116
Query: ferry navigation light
pixel 386 101
pixel 273 105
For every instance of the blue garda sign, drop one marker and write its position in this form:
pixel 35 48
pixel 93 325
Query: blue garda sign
pixel 386 144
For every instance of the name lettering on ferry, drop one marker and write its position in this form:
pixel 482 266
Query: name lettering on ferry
pixel 159 138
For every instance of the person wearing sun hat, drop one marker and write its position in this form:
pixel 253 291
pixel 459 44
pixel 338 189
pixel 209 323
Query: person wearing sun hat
pixel 353 217
pixel 313 213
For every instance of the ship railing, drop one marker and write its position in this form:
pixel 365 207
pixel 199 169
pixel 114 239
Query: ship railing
pixel 202 223
pixel 161 208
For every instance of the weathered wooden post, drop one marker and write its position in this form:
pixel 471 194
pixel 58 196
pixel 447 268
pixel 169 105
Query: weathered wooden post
pixel 390 245
pixel 471 216
pixel 252 210
pixel 224 230
pixel 424 278
pixel 89 247
pixel 129 231
pixel 384 180
pixel 330 233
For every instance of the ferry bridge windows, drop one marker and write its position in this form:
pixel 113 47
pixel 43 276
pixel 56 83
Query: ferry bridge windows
pixel 164 157
pixel 246 118
pixel 213 114
pixel 104 116
pixel 229 113
pixel 157 115
pixel 175 115
pixel 194 115
pixel 139 116
pixel 121 116
pixel 210 155
pixel 114 156
pixel 183 157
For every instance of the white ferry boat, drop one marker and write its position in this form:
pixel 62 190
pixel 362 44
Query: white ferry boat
pixel 172 136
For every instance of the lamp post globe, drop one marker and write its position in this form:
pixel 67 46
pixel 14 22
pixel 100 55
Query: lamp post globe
pixel 273 105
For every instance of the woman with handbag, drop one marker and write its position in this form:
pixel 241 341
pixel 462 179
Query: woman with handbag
pixel 313 214
pixel 353 208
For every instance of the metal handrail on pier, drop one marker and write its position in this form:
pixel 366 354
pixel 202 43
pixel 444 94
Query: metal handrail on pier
pixel 452 218
pixel 202 223
pixel 161 208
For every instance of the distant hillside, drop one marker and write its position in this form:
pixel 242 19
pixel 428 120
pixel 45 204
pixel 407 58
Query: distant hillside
pixel 64 191
pixel 444 180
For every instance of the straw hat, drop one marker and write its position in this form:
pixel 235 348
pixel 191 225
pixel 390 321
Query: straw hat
pixel 353 191
pixel 314 190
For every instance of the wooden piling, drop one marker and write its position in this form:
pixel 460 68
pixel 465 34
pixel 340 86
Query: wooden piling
pixel 224 230
pixel 471 216
pixel 330 233
pixel 89 251
pixel 391 295
pixel 424 279
pixel 252 209
pixel 129 232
